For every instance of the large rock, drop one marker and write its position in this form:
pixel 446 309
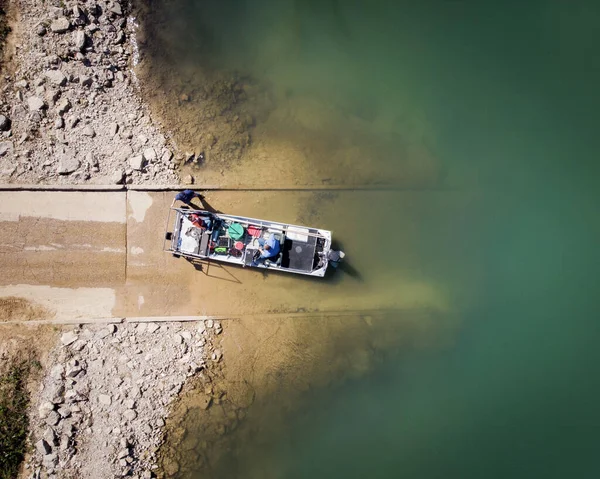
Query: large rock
pixel 35 103
pixel 53 418
pixel 6 147
pixel 43 447
pixel 78 16
pixel 78 346
pixel 188 180
pixel 60 25
pixel 137 162
pixel 88 131
pixel 72 396
pixel 63 105
pixel 50 436
pixel 117 177
pixel 55 392
pixel 104 333
pixel 50 460
pixel 69 337
pixel 4 123
pixel 152 327
pixel 56 77
pixel 66 166
pixel 116 9
pixel 57 371
pixel 65 442
pixel 74 370
pixel 104 399
pixel 149 154
pixel 45 408
pixel 79 39
pixel 123 453
pixel 130 414
pixel 64 411
pixel 186 335
pixel 120 38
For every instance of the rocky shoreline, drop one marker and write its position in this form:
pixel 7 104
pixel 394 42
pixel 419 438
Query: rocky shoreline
pixel 69 108
pixel 103 403
pixel 71 113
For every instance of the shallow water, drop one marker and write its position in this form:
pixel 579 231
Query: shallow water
pixel 485 114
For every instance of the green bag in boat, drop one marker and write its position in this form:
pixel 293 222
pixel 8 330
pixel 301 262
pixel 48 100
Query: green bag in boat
pixel 235 231
pixel 221 250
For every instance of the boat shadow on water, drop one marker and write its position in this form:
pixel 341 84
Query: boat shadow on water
pixel 344 268
pixel 205 205
pixel 204 266
pixel 333 275
pixel 351 271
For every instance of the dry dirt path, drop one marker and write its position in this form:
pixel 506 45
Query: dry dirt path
pixel 62 252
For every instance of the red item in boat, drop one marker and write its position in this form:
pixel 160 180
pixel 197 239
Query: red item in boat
pixel 196 221
pixel 254 231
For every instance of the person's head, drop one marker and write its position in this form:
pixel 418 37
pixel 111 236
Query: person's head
pixel 267 247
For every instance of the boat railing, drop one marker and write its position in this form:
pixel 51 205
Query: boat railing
pixel 273 226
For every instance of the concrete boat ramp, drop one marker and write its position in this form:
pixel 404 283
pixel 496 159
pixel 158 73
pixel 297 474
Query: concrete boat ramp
pixel 96 256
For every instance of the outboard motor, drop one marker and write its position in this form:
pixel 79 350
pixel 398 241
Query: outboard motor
pixel 335 257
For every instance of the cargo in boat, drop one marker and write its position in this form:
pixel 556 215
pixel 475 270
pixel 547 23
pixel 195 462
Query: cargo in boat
pixel 204 235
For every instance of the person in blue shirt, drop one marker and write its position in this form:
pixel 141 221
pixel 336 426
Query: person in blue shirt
pixel 186 196
pixel 269 249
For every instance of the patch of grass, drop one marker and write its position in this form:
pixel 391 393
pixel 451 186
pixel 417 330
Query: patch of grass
pixel 4 28
pixel 14 422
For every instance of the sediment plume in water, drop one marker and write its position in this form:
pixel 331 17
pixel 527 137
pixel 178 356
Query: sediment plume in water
pixel 263 120
pixel 231 415
pixel 415 94
pixel 234 106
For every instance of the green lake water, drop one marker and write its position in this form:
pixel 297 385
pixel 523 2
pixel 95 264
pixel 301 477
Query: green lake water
pixel 504 96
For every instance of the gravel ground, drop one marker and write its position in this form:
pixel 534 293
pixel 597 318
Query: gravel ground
pixel 70 112
pixel 104 401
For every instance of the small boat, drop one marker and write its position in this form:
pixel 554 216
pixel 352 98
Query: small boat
pixel 199 234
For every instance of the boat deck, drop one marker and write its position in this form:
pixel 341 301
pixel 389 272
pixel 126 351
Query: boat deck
pixel 298 251
pixel 207 235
